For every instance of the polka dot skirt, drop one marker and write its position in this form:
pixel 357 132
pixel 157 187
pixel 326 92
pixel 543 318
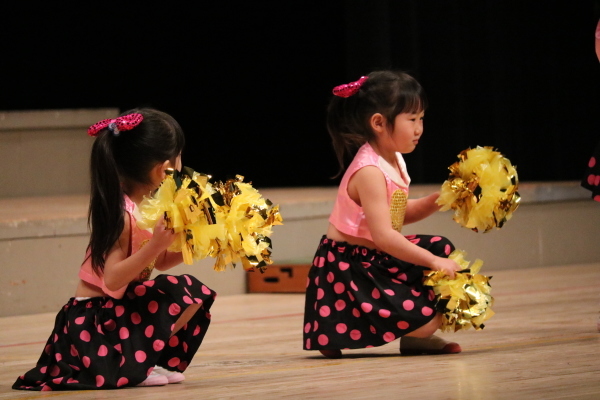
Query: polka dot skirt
pixel 357 297
pixel 105 343
pixel 591 179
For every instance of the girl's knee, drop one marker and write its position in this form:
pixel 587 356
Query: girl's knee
pixel 441 246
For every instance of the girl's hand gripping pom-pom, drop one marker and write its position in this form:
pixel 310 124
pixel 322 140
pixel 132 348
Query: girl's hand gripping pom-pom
pixel 464 301
pixel 447 266
pixel 163 236
pixel 481 189
pixel 228 221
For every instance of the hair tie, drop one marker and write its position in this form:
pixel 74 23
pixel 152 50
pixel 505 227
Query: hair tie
pixel 349 89
pixel 116 125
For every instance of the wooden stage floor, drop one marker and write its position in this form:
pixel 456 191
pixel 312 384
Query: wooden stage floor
pixel 543 343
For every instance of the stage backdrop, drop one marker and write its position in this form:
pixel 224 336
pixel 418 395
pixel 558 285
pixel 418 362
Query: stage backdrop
pixel 249 82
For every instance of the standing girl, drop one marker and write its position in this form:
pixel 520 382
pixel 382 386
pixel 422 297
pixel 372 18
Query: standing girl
pixel 365 286
pixel 121 329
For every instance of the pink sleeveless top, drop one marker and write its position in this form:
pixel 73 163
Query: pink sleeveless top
pixel 347 216
pixel 137 240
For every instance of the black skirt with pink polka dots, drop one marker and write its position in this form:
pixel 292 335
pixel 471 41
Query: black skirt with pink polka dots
pixel 591 179
pixel 357 297
pixel 105 343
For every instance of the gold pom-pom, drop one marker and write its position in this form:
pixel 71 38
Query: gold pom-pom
pixel 464 301
pixel 228 221
pixel 248 219
pixel 481 189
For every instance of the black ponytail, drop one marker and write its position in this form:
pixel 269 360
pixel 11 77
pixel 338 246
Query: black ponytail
pixel 105 215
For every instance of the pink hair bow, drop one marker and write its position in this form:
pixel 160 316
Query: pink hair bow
pixel 349 89
pixel 116 125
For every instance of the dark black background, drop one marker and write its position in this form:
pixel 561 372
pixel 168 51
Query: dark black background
pixel 249 81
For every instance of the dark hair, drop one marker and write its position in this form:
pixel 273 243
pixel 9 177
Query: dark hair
pixel 125 159
pixel 387 92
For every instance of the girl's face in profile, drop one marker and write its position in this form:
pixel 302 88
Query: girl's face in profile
pixel 407 130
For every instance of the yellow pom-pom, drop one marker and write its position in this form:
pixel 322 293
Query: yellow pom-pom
pixel 248 220
pixel 464 301
pixel 228 221
pixel 481 189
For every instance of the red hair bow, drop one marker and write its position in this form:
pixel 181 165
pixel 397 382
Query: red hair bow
pixel 116 125
pixel 349 89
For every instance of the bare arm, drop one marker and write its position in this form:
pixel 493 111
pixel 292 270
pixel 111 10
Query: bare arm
pixel 119 269
pixel 368 185
pixel 418 209
pixel 168 260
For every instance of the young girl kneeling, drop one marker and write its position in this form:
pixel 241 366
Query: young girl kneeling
pixel 365 286
pixel 121 329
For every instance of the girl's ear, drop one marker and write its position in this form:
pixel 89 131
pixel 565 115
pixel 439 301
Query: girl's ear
pixel 378 123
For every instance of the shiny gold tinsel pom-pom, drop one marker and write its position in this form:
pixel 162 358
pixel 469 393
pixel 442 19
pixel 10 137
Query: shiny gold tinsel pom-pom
pixel 464 301
pixel 228 221
pixel 481 189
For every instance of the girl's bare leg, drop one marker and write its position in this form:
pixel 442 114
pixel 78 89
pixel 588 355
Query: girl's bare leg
pixel 185 317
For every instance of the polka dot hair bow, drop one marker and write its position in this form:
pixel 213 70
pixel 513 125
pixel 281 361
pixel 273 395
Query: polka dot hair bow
pixel 116 125
pixel 348 89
